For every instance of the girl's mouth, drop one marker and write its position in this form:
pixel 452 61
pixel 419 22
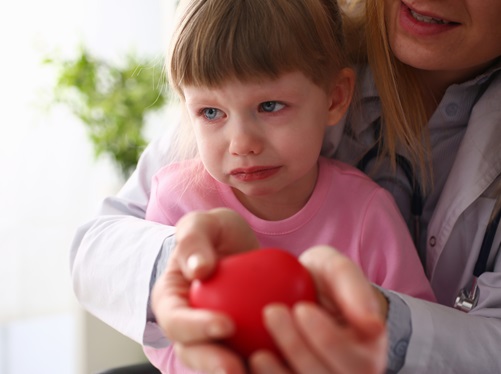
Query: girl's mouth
pixel 254 173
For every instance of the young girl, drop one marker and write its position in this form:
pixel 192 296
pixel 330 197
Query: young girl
pixel 261 81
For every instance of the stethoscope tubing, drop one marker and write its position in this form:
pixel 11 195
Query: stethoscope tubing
pixel 485 248
pixel 467 298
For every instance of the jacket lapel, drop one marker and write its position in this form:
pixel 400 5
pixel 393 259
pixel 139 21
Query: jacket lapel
pixel 477 165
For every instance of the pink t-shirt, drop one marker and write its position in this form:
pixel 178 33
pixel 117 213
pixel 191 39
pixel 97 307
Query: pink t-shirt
pixel 346 210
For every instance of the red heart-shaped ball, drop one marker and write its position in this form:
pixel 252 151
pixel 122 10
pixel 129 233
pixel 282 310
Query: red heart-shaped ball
pixel 243 284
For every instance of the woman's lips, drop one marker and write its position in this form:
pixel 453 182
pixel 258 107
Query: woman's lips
pixel 423 24
pixel 254 173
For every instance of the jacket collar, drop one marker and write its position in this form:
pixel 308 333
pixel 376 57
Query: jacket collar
pixel 369 94
pixel 477 164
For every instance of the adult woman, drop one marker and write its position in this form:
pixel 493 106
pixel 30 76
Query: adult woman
pixel 441 59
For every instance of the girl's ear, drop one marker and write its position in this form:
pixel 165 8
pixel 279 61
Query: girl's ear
pixel 341 93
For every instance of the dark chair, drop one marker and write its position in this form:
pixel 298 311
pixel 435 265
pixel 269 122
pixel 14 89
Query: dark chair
pixel 145 368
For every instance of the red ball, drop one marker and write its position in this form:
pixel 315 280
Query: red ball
pixel 243 284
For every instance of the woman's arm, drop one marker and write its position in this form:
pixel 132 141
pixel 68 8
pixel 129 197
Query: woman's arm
pixel 114 254
pixel 446 340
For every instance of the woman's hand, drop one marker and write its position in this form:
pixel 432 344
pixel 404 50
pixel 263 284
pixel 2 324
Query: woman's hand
pixel 346 334
pixel 201 238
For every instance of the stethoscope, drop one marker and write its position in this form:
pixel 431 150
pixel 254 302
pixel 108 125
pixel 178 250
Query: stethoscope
pixel 467 297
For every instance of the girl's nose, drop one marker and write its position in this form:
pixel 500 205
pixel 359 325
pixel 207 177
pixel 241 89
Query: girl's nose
pixel 245 139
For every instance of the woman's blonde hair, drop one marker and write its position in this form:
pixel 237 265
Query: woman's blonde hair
pixel 403 111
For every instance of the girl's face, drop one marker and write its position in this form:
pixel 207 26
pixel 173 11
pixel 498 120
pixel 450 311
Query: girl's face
pixel 457 38
pixel 264 138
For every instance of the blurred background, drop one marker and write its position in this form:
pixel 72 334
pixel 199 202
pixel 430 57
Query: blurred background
pixel 56 163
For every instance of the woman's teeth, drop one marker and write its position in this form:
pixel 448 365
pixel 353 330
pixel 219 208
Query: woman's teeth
pixel 427 19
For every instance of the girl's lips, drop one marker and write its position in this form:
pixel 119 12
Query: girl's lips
pixel 254 173
pixel 423 24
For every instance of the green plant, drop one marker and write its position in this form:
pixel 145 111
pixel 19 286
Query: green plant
pixel 112 101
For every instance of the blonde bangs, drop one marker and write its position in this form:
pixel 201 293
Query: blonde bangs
pixel 217 40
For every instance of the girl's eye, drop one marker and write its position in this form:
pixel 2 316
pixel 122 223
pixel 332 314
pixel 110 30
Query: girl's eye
pixel 211 113
pixel 271 106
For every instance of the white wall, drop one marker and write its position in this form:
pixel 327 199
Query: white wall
pixel 50 181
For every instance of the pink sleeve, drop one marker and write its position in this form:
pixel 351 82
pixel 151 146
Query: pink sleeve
pixel 388 255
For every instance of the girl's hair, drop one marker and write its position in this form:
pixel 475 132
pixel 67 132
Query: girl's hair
pixel 403 111
pixel 249 40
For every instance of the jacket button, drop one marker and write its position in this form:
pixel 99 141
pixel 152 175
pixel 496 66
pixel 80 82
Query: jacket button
pixel 432 241
pixel 451 109
pixel 401 348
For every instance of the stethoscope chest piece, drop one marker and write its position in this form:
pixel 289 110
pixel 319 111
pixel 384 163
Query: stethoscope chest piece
pixel 466 299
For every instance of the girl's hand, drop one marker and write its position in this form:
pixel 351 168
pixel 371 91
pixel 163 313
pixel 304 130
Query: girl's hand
pixel 346 334
pixel 201 238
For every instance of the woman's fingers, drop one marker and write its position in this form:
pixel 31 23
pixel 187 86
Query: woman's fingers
pixel 210 358
pixel 313 341
pixel 179 322
pixel 192 326
pixel 347 335
pixel 339 346
pixel 264 362
pixel 280 323
pixel 344 334
pixel 344 290
pixel 201 237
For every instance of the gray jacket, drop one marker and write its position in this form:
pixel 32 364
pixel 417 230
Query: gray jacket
pixel 445 340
